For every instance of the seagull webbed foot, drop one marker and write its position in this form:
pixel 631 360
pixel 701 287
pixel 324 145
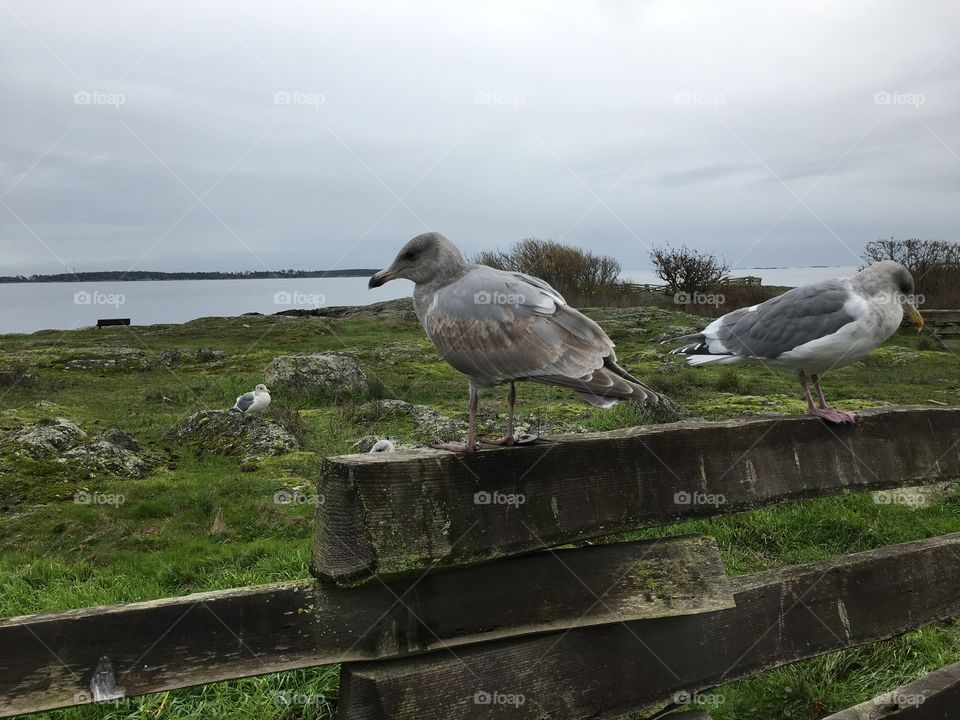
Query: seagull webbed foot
pixel 835 416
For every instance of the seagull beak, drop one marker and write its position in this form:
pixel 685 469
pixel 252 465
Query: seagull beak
pixel 380 278
pixel 916 319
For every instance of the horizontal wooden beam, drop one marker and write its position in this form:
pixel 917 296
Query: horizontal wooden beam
pixel 782 616
pixel 48 661
pixel 933 697
pixel 394 514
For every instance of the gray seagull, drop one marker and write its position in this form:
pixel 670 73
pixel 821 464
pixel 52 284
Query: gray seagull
pixel 500 327
pixel 255 401
pixel 812 329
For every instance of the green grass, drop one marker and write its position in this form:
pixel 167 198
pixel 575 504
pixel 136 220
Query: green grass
pixel 157 542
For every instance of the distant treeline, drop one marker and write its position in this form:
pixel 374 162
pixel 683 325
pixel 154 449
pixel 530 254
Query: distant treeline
pixel 125 275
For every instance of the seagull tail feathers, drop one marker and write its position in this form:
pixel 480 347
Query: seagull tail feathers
pixel 605 386
pixel 698 351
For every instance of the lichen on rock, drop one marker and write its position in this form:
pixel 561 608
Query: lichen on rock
pixel 226 432
pixel 335 374
pixel 113 452
pixel 48 438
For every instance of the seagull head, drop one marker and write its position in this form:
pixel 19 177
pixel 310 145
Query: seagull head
pixel 261 388
pixel 427 257
pixel 892 279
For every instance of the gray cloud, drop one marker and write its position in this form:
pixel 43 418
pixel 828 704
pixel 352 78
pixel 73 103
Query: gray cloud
pixel 327 135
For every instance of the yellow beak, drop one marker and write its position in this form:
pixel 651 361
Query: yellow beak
pixel 916 319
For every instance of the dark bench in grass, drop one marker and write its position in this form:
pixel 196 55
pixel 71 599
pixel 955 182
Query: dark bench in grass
pixel 108 322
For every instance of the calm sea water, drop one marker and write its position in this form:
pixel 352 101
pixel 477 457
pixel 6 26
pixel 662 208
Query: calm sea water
pixel 29 307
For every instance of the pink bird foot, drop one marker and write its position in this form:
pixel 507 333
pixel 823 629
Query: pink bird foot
pixel 833 415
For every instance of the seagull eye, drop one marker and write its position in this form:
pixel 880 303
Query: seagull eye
pixel 409 255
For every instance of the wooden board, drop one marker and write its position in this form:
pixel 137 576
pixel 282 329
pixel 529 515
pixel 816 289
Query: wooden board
pixel 933 697
pixel 395 514
pixel 781 616
pixel 48 661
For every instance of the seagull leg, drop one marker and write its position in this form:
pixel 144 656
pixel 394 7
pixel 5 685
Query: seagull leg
pixel 510 438
pixel 841 415
pixel 828 414
pixel 471 444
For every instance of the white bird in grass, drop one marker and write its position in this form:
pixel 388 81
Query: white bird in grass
pixel 382 446
pixel 812 329
pixel 499 327
pixel 253 402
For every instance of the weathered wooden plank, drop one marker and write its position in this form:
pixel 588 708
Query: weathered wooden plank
pixel 782 616
pixel 933 697
pixel 48 661
pixel 398 513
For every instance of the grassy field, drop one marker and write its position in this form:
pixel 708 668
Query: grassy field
pixel 162 541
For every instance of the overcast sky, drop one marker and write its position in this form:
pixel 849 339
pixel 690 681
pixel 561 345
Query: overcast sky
pixel 236 135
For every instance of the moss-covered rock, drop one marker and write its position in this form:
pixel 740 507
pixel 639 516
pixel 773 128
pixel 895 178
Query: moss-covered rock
pixel 48 438
pixel 108 358
pixel 102 456
pixel 428 424
pixel 60 440
pixel 225 432
pixel 334 374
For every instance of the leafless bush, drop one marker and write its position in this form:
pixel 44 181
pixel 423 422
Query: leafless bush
pixel 577 274
pixel 688 271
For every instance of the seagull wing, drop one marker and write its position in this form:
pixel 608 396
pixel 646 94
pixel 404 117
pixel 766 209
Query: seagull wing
pixel 780 324
pixel 495 326
pixel 244 402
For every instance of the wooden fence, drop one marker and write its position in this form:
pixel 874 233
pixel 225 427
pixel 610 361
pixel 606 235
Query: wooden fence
pixel 940 322
pixel 447 586
pixel 747 280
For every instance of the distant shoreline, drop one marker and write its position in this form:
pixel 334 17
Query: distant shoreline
pixel 147 275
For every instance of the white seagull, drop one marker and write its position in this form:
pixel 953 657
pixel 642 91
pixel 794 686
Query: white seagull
pixel 499 327
pixel 812 329
pixel 253 402
pixel 383 446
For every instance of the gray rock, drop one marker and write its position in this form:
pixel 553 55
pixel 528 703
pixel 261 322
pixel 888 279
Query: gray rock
pixel 428 425
pixel 101 455
pixel 335 374
pixel 120 439
pixel 492 424
pixel 170 357
pixel 206 355
pixel 113 452
pixel 400 309
pixel 224 432
pixel 108 358
pixel 48 438
pixel 904 358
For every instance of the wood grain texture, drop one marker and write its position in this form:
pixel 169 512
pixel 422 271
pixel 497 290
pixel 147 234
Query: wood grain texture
pixel 782 616
pixel 933 697
pixel 47 661
pixel 395 514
